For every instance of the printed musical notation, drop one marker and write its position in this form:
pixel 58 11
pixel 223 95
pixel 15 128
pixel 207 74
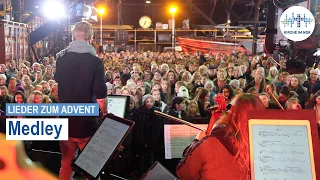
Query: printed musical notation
pixel 101 146
pixel 266 159
pixel 279 133
pixel 117 105
pixel 266 143
pixel 267 170
pixel 281 152
pixel 177 138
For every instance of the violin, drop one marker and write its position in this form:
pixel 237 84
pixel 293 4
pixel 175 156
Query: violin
pixel 15 164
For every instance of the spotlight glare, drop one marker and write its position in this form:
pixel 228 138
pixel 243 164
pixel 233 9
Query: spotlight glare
pixel 173 10
pixel 148 2
pixel 101 10
pixel 54 10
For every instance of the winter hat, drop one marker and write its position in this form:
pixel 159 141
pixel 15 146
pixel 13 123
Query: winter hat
pixel 145 97
pixel 183 92
pixel 234 83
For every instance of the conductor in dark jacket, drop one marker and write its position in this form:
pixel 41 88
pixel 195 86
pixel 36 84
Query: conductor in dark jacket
pixel 80 75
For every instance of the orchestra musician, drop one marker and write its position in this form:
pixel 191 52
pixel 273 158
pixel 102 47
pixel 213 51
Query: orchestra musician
pixel 224 153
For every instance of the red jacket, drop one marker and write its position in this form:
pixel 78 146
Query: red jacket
pixel 212 158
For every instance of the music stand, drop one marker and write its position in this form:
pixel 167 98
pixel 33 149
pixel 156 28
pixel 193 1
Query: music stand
pixel 158 172
pixel 102 147
pixel 301 124
pixel 118 105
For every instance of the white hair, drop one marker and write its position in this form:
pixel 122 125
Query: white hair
pixel 274 69
pixel 2 76
pixel 164 65
pixel 131 84
pixel 209 82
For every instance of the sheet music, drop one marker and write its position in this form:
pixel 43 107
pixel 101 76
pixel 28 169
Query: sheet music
pixel 117 105
pixel 281 152
pixel 158 172
pixel 178 137
pixel 101 146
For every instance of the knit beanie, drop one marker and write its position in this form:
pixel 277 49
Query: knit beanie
pixel 183 92
pixel 145 97
pixel 234 83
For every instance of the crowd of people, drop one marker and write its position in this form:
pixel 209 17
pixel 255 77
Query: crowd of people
pixel 180 84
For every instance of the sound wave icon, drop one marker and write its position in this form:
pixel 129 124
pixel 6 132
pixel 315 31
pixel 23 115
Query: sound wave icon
pixel 290 21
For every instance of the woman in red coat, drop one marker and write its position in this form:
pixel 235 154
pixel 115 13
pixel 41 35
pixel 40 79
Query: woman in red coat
pixel 224 154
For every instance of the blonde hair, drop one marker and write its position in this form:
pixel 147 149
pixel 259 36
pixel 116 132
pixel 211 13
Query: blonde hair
pixel 125 88
pixel 224 72
pixel 23 78
pixel 3 76
pixel 204 68
pixel 46 99
pixel 4 88
pixel 238 91
pixel 195 103
pixel 132 84
pixel 43 82
pixel 82 30
pixel 186 74
pixel 290 102
pixel 38 86
pixel 54 93
pixel 33 94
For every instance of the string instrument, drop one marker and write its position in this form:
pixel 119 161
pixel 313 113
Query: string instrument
pixel 218 110
pixel 276 100
pixel 178 120
pixel 15 164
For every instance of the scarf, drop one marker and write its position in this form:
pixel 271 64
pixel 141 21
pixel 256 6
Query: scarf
pixel 78 46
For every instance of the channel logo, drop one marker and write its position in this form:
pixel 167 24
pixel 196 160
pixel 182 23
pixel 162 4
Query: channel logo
pixel 297 23
pixel 37 129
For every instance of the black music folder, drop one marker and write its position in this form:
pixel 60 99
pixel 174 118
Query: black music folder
pixel 158 172
pixel 102 147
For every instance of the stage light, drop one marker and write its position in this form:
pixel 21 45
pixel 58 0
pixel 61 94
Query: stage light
pixel 173 9
pixel 101 10
pixel 54 10
pixel 229 21
pixel 148 2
